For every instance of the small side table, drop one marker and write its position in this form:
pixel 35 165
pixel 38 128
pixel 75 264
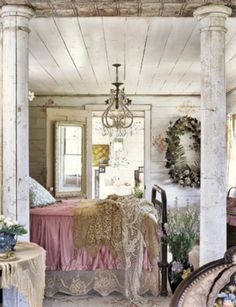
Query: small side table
pixel 23 278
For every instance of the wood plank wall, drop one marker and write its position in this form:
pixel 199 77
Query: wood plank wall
pixel 37 144
pixel 164 110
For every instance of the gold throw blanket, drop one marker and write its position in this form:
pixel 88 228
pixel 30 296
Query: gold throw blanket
pixel 98 223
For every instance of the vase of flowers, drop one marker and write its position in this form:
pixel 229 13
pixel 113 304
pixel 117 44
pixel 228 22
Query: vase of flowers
pixel 182 232
pixel 9 229
pixel 178 270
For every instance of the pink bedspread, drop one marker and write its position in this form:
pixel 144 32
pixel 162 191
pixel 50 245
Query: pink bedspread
pixel 52 228
pixel 231 220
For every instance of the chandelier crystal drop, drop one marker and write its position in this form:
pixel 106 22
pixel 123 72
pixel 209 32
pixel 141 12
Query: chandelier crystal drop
pixel 117 115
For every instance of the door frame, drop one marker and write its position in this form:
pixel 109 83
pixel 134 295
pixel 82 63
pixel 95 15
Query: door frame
pixel 146 109
pixel 54 114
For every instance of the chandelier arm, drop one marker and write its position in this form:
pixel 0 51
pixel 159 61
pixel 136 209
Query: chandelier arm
pixel 108 114
pixel 105 115
pixel 127 115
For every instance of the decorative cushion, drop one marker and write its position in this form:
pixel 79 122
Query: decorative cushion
pixel 39 196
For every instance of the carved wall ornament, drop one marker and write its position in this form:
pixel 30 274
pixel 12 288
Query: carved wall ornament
pixel 158 142
pixel 187 109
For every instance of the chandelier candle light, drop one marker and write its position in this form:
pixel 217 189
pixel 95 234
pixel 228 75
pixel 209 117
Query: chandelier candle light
pixel 117 115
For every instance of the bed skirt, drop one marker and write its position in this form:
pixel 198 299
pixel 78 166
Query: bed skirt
pixel 102 281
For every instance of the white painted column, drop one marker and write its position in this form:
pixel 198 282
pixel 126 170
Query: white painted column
pixel 0 117
pixel 15 21
pixel 213 132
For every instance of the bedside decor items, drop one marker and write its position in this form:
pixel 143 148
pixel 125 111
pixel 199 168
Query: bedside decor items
pixel 182 232
pixel 9 229
pixel 227 295
pixel 180 171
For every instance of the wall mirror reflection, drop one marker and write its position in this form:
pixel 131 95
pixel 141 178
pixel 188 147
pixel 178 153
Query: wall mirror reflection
pixel 70 159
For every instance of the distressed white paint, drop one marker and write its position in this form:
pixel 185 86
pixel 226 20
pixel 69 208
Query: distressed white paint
pixel 0 117
pixel 15 123
pixel 67 57
pixel 213 132
pixel 15 112
pixel 125 8
pixel 68 52
pixel 12 298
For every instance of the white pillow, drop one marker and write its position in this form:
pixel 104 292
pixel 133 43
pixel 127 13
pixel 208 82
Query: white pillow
pixel 39 196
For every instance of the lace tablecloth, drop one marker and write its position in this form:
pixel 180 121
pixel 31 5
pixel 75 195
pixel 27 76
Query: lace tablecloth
pixel 26 272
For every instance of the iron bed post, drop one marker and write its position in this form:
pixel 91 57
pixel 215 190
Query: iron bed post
pixel 163 264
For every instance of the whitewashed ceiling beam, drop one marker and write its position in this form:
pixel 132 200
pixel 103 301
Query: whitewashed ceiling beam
pixel 99 8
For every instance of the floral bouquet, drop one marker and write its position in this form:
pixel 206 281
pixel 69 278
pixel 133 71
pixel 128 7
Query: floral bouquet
pixel 227 295
pixel 11 226
pixel 182 230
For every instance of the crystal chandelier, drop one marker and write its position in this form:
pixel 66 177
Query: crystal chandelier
pixel 117 115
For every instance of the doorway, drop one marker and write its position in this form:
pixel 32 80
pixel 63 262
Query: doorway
pixel 118 161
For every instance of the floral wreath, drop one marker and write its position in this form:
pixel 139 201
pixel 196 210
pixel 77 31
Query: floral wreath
pixel 179 170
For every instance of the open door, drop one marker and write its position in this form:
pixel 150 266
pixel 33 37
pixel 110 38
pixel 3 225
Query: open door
pixel 144 171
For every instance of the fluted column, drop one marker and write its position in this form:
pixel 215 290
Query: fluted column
pixel 15 20
pixel 213 132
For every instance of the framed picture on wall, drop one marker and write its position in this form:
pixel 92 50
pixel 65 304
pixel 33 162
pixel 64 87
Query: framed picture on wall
pixel 100 154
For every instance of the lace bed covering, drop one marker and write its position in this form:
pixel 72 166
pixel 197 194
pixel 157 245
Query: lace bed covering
pixel 126 224
pixel 101 280
pixel 26 273
pixel 139 228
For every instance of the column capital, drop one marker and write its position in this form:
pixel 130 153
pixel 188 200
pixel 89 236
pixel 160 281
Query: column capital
pixel 212 17
pixel 17 10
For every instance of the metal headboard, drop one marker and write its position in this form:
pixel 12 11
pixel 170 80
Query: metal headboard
pixel 161 203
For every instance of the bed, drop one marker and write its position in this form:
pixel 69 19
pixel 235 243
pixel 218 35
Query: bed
pixel 81 257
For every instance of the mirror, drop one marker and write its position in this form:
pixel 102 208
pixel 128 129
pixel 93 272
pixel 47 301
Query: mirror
pixel 70 159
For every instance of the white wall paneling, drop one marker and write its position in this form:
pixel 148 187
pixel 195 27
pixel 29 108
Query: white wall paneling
pixel 163 110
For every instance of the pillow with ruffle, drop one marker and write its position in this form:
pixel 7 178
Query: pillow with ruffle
pixel 39 196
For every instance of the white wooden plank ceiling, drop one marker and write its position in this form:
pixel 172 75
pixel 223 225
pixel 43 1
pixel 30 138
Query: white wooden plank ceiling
pixel 159 56
pixel 146 8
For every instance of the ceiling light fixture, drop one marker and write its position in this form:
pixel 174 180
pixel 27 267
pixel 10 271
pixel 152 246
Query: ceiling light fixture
pixel 117 115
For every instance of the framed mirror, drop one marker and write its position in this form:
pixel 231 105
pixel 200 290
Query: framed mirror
pixel 70 162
